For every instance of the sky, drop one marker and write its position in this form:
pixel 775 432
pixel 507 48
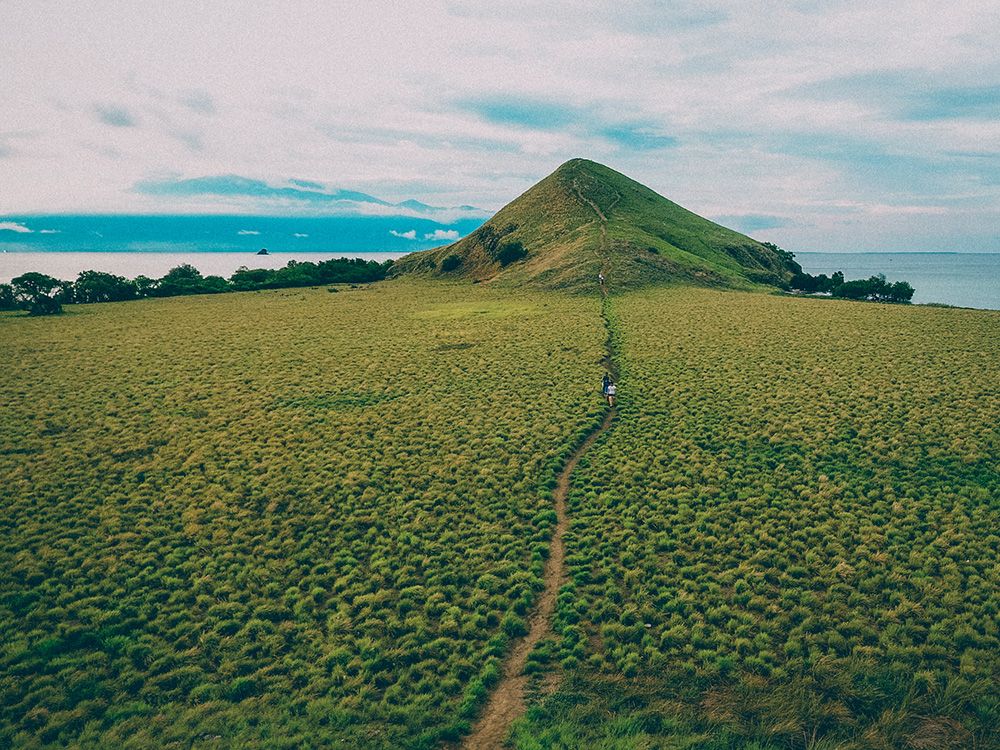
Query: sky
pixel 827 126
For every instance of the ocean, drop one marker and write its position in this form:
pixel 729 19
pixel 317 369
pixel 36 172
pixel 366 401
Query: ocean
pixel 64 245
pixel 960 279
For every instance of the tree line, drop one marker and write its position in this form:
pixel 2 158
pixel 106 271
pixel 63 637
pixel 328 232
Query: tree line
pixel 875 288
pixel 40 294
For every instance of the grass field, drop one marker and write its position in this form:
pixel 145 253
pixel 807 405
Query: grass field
pixel 300 518
pixel 791 535
pixel 277 519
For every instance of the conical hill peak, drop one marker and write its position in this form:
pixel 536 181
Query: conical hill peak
pixel 586 219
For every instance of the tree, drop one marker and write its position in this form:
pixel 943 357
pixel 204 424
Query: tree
pixel 7 301
pixel 353 270
pixel 806 282
pixel 295 274
pixel 214 285
pixel 184 273
pixel 901 291
pixel 97 286
pixel 38 293
pixel 786 257
pixel 248 279
pixel 145 286
pixel 186 279
pixel 859 289
pixel 875 288
pixel 66 293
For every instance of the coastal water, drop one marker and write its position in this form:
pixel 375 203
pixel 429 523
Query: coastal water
pixel 245 234
pixel 64 245
pixel 960 279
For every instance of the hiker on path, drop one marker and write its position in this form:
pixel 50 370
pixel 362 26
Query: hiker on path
pixel 605 382
pixel 610 392
pixel 600 277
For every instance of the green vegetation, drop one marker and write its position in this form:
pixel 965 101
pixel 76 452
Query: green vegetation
pixel 284 519
pixel 554 236
pixel 37 293
pixel 234 521
pixel 450 263
pixel 874 288
pixel 805 282
pixel 790 537
pixel 301 519
pixel 40 294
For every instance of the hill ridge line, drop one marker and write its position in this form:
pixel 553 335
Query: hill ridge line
pixel 545 238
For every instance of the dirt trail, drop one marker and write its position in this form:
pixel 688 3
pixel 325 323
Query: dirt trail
pixel 604 251
pixel 585 199
pixel 507 701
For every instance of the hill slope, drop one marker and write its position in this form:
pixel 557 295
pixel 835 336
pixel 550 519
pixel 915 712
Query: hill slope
pixel 585 218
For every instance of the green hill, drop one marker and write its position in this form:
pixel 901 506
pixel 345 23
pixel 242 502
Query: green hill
pixel 585 218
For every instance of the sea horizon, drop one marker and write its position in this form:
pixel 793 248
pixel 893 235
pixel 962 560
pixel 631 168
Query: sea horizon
pixel 965 279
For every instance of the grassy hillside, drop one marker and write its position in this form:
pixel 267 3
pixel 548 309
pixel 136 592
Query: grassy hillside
pixel 790 537
pixel 277 519
pixel 585 218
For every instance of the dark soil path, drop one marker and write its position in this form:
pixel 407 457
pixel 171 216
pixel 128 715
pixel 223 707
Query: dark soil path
pixel 507 702
pixel 604 250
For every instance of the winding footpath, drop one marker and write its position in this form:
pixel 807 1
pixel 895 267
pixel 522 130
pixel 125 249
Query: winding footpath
pixel 604 250
pixel 507 702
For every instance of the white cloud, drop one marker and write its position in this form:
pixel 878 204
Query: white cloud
pixel 13 226
pixel 442 234
pixel 247 232
pixel 724 79
pixel 408 235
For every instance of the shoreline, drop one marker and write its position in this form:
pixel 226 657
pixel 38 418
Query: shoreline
pixel 967 280
pixel 66 265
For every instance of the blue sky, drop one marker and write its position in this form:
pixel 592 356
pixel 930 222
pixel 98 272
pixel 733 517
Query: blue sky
pixel 839 125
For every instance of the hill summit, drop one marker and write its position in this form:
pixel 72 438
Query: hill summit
pixel 585 219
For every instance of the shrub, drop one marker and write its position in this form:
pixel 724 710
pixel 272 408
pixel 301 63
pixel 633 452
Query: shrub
pixel 511 252
pixel 513 625
pixel 451 262
pixel 242 688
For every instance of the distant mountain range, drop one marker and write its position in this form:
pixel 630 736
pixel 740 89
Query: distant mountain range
pixel 313 197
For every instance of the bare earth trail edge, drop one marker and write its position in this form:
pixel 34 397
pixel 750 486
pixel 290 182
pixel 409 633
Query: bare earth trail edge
pixel 507 702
